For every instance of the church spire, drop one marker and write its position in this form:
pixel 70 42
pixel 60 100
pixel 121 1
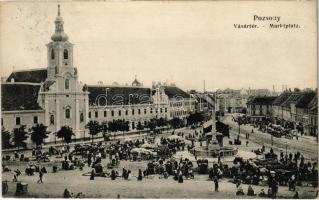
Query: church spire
pixel 59 35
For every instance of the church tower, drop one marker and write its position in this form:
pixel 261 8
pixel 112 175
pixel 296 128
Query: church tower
pixel 60 56
pixel 64 101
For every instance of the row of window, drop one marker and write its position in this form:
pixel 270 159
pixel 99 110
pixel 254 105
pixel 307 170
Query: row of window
pixel 96 114
pixel 65 54
pixel 260 106
pixel 119 112
pixel 178 113
pixel 18 120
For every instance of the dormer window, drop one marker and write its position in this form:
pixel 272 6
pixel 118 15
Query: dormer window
pixel 65 54
pixel 52 54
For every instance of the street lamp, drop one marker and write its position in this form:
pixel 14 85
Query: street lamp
pixel 55 133
pixel 239 123
pixel 272 139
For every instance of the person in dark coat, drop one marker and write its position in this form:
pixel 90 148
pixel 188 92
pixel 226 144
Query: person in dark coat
pixel 250 191
pixel 175 175
pixel 216 183
pixel 113 175
pixel 296 196
pixel 89 160
pixel 180 177
pixel 139 177
pixel 40 177
pixel 92 174
pixel 66 194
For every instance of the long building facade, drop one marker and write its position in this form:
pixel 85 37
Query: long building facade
pixel 54 96
pixel 297 108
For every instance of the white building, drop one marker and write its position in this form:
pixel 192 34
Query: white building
pixel 54 96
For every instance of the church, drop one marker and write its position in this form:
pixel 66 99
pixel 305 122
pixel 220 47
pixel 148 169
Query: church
pixel 54 96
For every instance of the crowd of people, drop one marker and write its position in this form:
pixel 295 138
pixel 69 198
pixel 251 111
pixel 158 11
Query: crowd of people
pixel 283 169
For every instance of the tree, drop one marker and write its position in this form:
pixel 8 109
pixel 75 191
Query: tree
pixel 139 126
pixel 39 133
pixel 66 133
pixel 195 118
pixel 94 128
pixel 104 129
pixel 176 122
pixel 19 136
pixel 152 124
pixel 5 138
pixel 161 122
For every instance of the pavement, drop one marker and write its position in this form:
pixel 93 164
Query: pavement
pixel 305 144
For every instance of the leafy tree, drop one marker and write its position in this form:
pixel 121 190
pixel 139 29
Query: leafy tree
pixel 126 125
pixel 5 138
pixel 66 133
pixel 39 133
pixel 104 129
pixel 139 126
pixel 94 128
pixel 19 136
pixel 176 122
pixel 123 125
pixel 195 118
pixel 161 122
pixel 111 126
pixel 152 124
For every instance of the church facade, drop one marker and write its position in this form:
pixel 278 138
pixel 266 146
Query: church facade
pixel 53 96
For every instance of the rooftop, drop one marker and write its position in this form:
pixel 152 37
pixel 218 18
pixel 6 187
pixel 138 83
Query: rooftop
pixel 19 96
pixel 32 75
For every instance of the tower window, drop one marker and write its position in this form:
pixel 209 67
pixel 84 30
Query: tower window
pixel 52 119
pixel 81 117
pixel 18 121
pixel 52 54
pixel 67 84
pixel 67 113
pixel 65 54
pixel 105 113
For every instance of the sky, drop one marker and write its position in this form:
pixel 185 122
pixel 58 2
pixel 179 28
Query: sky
pixel 184 42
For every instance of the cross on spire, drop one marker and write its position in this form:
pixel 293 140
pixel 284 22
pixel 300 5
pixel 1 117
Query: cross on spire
pixel 58 9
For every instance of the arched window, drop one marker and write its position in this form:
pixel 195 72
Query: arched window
pixel 67 113
pixel 52 119
pixel 52 54
pixel 65 54
pixel 81 117
pixel 67 84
